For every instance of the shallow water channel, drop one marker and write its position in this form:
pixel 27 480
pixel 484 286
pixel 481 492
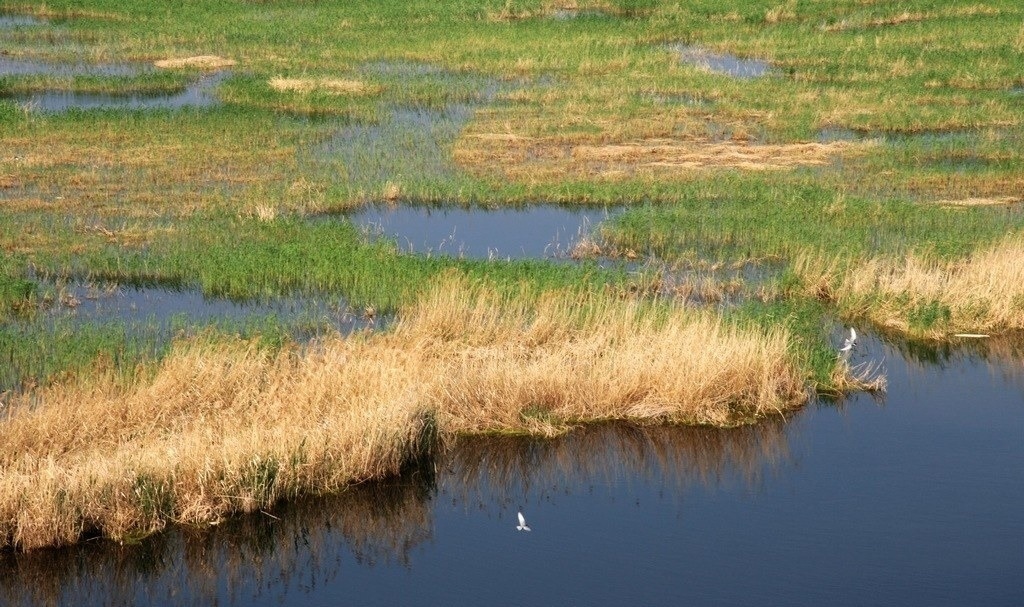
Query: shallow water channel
pixel 915 499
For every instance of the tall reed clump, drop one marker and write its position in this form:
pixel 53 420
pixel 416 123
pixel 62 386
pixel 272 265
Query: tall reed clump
pixel 928 297
pixel 222 427
pixel 219 428
pixel 512 365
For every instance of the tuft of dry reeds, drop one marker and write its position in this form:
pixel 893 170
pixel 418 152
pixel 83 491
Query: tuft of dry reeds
pixel 983 292
pixel 219 429
pixel 226 427
pixel 204 62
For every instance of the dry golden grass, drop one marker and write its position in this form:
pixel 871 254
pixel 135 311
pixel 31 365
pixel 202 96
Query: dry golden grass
pixel 527 158
pixel 203 62
pixel 227 427
pixel 332 86
pixel 980 202
pixel 982 293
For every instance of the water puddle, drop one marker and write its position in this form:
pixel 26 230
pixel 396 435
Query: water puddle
pixel 142 321
pixel 721 63
pixel 571 14
pixel 535 232
pixel 12 21
pixel 913 500
pixel 833 134
pixel 197 95
pixel 683 99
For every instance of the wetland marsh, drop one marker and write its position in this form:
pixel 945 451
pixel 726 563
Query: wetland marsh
pixel 303 247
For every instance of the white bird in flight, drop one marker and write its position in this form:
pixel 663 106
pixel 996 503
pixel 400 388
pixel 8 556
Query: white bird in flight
pixel 522 526
pixel 849 341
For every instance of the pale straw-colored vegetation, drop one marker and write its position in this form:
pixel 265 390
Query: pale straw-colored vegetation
pixel 225 427
pixel 982 292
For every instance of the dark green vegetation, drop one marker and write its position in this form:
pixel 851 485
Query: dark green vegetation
pixel 498 103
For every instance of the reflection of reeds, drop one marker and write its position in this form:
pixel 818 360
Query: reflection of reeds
pixel 241 558
pixel 259 554
pixel 222 428
pixel 497 466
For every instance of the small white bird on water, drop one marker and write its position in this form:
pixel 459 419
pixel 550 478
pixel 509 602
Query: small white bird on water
pixel 849 341
pixel 522 526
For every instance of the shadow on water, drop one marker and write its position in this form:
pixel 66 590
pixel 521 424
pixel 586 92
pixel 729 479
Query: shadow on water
pixel 721 63
pixel 199 94
pixel 534 232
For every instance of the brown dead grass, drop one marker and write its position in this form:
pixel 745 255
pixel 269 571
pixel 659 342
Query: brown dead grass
pixel 203 62
pixel 525 158
pixel 227 427
pixel 332 86
pixel 983 293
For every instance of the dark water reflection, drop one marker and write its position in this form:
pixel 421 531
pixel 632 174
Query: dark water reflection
pixel 914 500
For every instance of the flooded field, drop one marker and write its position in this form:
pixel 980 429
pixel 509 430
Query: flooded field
pixel 912 499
